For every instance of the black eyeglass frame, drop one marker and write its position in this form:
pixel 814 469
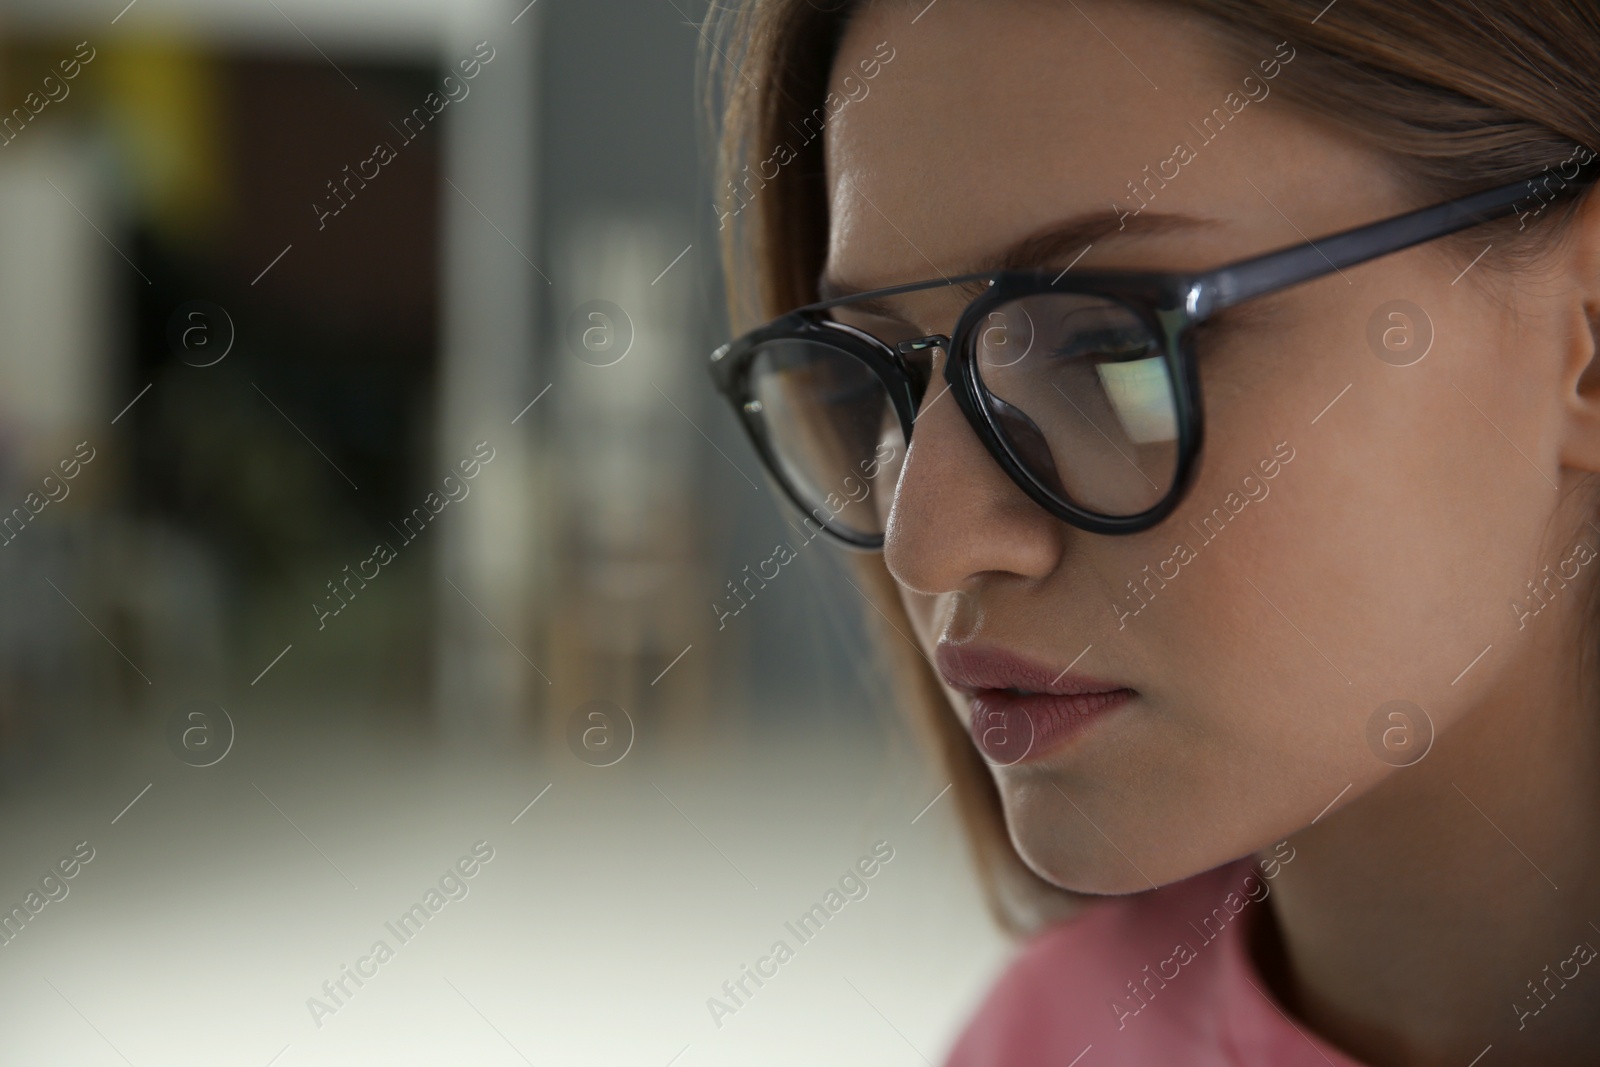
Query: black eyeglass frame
pixel 1171 304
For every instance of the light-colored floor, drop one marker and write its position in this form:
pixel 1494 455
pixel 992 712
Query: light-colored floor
pixel 612 910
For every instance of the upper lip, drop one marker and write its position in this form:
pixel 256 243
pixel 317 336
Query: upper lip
pixel 971 669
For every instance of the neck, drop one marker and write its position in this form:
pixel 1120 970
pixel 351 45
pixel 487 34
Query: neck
pixel 1415 917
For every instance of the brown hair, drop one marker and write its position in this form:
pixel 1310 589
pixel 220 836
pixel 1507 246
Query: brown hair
pixel 1460 97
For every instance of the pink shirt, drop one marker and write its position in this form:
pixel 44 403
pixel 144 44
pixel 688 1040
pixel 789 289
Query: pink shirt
pixel 1161 977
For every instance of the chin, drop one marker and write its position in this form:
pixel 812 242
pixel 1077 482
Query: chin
pixel 1060 846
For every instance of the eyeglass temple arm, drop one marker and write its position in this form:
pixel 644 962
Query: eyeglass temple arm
pixel 1229 285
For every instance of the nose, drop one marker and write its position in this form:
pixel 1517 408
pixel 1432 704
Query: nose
pixel 956 515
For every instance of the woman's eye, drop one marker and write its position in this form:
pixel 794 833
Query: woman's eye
pixel 1107 344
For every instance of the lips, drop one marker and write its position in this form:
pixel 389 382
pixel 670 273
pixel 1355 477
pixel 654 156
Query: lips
pixel 1021 710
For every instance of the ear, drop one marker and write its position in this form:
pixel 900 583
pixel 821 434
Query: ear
pixel 1580 375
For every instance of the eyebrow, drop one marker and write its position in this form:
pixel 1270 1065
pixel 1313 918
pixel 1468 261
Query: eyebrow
pixel 1059 240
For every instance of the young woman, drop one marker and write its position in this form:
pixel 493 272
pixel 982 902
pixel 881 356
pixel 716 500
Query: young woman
pixel 1282 750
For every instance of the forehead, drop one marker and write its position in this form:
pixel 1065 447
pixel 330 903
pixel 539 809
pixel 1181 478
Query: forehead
pixel 997 118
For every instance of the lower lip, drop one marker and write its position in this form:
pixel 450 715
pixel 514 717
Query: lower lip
pixel 1012 729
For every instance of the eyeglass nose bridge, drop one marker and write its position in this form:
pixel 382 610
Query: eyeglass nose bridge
pixel 921 373
pixel 933 340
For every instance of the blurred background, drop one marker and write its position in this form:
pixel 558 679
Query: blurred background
pixel 363 497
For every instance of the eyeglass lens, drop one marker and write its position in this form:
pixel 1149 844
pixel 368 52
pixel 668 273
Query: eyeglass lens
pixel 1077 385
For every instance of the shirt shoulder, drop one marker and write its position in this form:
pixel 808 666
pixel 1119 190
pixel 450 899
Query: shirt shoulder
pixel 1156 977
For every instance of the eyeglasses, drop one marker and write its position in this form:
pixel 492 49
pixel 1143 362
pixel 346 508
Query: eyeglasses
pixel 1082 386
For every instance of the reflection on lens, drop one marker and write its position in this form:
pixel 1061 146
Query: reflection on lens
pixel 1082 392
pixel 832 430
pixel 1141 397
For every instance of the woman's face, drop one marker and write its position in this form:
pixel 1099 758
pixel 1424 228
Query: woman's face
pixel 1407 506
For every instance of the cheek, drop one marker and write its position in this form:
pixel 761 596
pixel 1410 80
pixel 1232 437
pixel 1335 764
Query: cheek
pixel 1380 564
pixel 1386 555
